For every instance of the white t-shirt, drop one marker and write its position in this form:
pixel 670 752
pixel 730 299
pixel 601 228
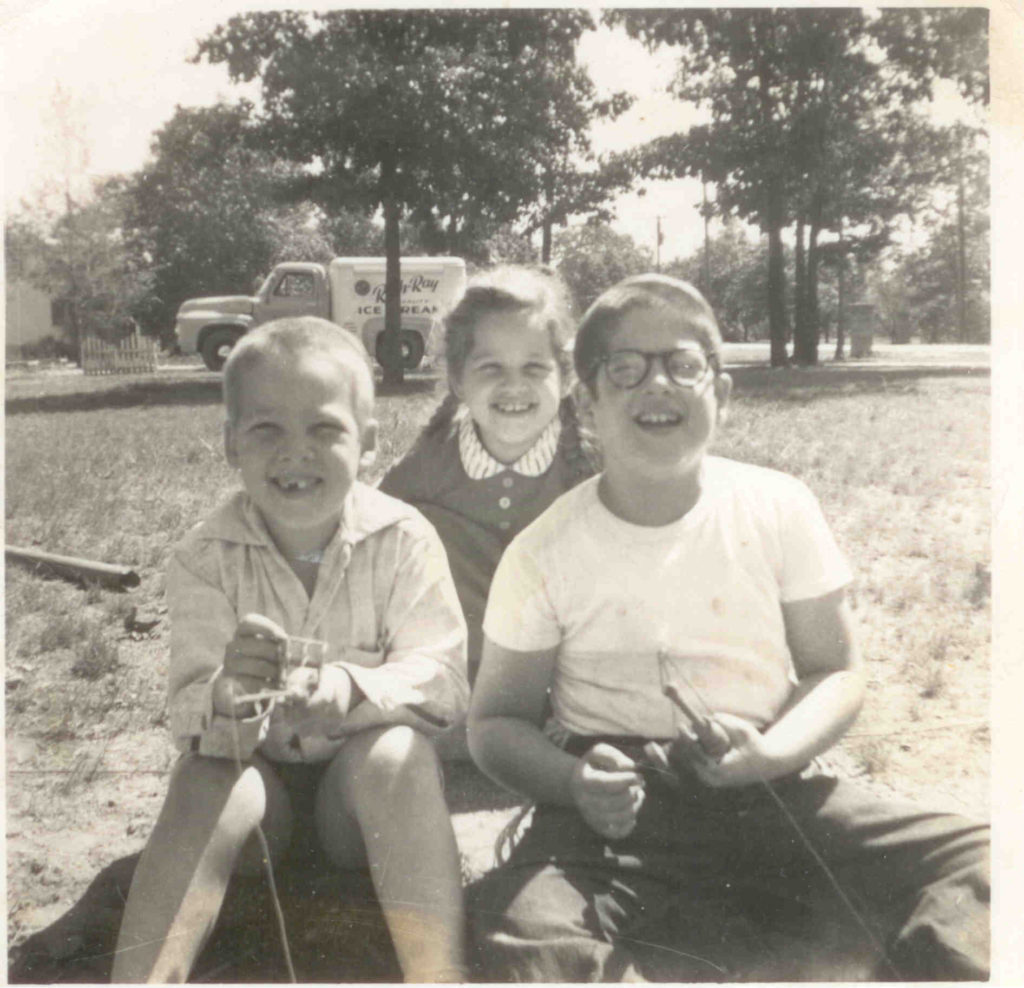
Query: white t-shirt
pixel 705 590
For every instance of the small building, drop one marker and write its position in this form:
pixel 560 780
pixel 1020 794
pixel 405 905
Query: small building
pixel 30 314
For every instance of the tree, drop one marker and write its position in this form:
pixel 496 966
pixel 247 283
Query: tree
pixel 809 112
pixel 940 286
pixel 206 213
pixel 81 260
pixel 594 257
pixel 736 285
pixel 450 118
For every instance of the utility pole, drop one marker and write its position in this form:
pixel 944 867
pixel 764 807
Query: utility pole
pixel 657 250
pixel 961 241
pixel 706 214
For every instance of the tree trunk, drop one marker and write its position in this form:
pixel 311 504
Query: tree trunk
pixel 800 352
pixel 961 250
pixel 545 241
pixel 841 314
pixel 774 212
pixel 811 297
pixel 777 322
pixel 391 353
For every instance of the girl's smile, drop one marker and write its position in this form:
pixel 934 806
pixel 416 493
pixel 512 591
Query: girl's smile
pixel 511 382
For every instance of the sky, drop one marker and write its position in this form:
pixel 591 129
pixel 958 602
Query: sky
pixel 124 68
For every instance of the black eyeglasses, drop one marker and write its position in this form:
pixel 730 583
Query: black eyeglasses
pixel 687 367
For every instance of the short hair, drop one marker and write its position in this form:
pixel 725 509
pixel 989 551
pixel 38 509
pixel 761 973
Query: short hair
pixel 289 338
pixel 676 298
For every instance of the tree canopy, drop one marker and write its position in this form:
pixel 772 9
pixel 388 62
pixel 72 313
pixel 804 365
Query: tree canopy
pixel 594 257
pixel 455 119
pixel 810 110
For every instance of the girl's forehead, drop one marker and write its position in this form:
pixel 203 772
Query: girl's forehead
pixel 519 329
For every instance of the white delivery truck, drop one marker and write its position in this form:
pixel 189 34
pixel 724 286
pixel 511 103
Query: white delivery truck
pixel 348 291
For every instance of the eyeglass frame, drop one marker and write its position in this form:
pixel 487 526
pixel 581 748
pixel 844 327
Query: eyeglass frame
pixel 651 355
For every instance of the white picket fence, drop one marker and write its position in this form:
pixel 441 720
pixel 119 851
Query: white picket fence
pixel 135 354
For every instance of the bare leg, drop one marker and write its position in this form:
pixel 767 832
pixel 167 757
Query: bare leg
pixel 179 885
pixel 381 802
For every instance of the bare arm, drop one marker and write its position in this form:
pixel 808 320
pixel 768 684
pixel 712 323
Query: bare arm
pixel 504 725
pixel 830 680
pixel 506 741
pixel 824 703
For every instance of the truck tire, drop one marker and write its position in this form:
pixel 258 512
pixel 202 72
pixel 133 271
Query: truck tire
pixel 217 345
pixel 412 348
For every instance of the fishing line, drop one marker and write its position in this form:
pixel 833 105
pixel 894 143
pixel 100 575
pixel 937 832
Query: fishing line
pixel 844 898
pixel 269 867
pixel 873 940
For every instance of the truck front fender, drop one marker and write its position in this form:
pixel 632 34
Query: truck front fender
pixel 192 327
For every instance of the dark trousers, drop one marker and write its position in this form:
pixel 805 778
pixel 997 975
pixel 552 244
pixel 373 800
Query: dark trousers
pixel 683 896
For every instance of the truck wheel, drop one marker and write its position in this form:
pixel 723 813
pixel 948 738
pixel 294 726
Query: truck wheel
pixel 412 349
pixel 217 345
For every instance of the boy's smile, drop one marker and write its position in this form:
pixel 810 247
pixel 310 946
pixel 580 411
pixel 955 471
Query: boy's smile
pixel 298 443
pixel 657 430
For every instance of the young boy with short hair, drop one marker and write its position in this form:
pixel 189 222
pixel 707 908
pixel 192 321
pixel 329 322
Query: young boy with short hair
pixel 687 615
pixel 305 550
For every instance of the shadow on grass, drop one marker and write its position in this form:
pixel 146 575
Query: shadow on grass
pixel 807 383
pixel 133 394
pixel 336 931
pixel 205 390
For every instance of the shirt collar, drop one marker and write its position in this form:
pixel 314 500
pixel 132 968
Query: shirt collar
pixel 366 512
pixel 480 465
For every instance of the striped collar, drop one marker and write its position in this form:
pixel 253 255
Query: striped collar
pixel 480 465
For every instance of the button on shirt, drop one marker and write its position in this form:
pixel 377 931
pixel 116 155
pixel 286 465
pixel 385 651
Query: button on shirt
pixel 384 602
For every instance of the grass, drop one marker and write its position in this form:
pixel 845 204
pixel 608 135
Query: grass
pixel 118 471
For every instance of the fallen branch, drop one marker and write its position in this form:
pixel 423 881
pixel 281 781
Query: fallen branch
pixel 84 570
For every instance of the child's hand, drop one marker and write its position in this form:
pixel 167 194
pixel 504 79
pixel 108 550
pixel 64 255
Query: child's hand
pixel 608 790
pixel 317 700
pixel 252 662
pixel 747 759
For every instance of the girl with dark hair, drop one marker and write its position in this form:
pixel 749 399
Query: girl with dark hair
pixel 505 441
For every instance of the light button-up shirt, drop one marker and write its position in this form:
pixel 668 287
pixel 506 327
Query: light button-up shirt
pixel 384 602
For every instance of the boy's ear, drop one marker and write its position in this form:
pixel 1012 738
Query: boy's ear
pixel 230 445
pixel 368 440
pixel 723 391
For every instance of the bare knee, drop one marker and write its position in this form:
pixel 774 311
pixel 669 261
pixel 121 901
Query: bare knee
pixel 202 788
pixel 387 765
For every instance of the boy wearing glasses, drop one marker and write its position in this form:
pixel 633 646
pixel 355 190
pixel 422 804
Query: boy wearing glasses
pixel 687 615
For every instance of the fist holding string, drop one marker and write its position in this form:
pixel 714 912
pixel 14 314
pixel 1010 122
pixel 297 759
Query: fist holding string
pixel 252 664
pixel 608 790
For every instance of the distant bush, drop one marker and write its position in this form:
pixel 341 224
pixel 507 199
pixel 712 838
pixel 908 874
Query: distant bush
pixel 48 348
